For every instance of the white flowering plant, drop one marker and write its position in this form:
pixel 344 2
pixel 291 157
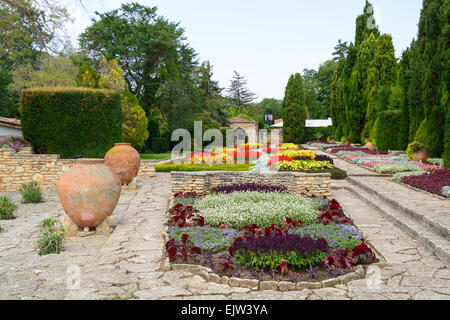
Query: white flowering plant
pixel 239 209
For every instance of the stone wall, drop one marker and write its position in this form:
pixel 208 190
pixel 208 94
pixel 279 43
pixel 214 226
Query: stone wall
pixel 23 167
pixel 296 182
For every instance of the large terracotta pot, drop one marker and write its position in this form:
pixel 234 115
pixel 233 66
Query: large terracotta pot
pixel 124 161
pixel 89 192
pixel 421 156
pixel 370 146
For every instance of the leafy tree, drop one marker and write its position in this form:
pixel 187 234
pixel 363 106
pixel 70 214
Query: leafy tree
pixel 158 64
pixel 311 93
pixel 134 127
pixel 294 110
pixel 50 72
pixel 110 76
pixel 29 27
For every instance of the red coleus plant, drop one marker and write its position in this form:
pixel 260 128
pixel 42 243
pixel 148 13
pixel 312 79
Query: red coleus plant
pixel 222 225
pixel 290 224
pixel 339 259
pixel 172 251
pixel 252 229
pixel 196 250
pixel 274 230
pixel 227 265
pixel 283 267
pixel 182 216
pixel 362 254
pixel 184 238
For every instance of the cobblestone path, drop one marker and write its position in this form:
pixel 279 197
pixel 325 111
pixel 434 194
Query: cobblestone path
pixel 128 264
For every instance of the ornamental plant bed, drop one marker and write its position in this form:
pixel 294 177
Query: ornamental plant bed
pixel 168 167
pixel 264 235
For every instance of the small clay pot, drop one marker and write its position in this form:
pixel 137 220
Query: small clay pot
pixel 332 141
pixel 89 192
pixel 370 146
pixel 420 156
pixel 347 143
pixel 124 161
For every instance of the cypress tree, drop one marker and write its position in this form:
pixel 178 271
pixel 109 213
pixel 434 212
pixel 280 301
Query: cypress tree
pixel 294 110
pixel 404 84
pixel 381 76
pixel 446 155
pixel 356 107
pixel 429 85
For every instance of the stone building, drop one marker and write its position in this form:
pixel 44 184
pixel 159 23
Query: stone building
pixel 244 130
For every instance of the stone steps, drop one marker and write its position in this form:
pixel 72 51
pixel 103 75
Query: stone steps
pixel 425 232
pixel 426 221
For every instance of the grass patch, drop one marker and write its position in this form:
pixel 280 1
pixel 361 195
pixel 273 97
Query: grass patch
pixel 52 237
pixel 31 192
pixel 7 208
pixel 202 167
pixel 156 156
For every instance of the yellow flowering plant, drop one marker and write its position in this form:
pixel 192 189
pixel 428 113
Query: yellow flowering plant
pixel 288 146
pixel 304 165
pixel 298 154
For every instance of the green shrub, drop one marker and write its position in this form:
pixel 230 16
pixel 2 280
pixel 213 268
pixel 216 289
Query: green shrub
pixel 387 130
pixel 31 192
pixel 7 208
pixel 168 167
pixel 160 145
pixel 135 121
pixel 270 260
pixel 430 134
pixel 71 121
pixel 52 237
pixel 1 229
pixel 312 134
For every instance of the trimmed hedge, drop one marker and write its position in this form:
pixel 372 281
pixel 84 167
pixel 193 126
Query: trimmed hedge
pixel 71 121
pixel 387 130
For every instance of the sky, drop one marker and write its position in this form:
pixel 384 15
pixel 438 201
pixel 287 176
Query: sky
pixel 266 41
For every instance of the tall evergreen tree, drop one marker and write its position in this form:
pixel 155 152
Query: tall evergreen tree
pixel 381 76
pixel 294 110
pixel 404 84
pixel 239 94
pixel 356 107
pixel 428 90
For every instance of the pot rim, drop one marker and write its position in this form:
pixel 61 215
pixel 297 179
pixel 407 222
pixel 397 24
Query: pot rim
pixel 122 144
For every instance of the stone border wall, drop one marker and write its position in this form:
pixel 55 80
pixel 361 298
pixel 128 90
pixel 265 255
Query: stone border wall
pixel 295 182
pixel 23 167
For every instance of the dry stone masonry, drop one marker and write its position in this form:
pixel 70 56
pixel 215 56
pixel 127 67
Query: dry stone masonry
pixel 295 182
pixel 23 167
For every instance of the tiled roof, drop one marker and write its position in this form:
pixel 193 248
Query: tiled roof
pixel 10 122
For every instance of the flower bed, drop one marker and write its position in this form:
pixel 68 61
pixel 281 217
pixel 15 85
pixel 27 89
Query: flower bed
pixel 265 235
pixel 429 177
pixel 433 182
pixel 168 167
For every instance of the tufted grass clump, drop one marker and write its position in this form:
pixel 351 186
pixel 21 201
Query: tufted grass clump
pixel 1 229
pixel 31 192
pixel 52 237
pixel 7 208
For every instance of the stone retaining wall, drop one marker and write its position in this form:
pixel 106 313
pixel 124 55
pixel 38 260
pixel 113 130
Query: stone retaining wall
pixel 296 182
pixel 23 167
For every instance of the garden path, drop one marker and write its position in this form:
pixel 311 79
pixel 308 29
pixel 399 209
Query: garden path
pixel 129 262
